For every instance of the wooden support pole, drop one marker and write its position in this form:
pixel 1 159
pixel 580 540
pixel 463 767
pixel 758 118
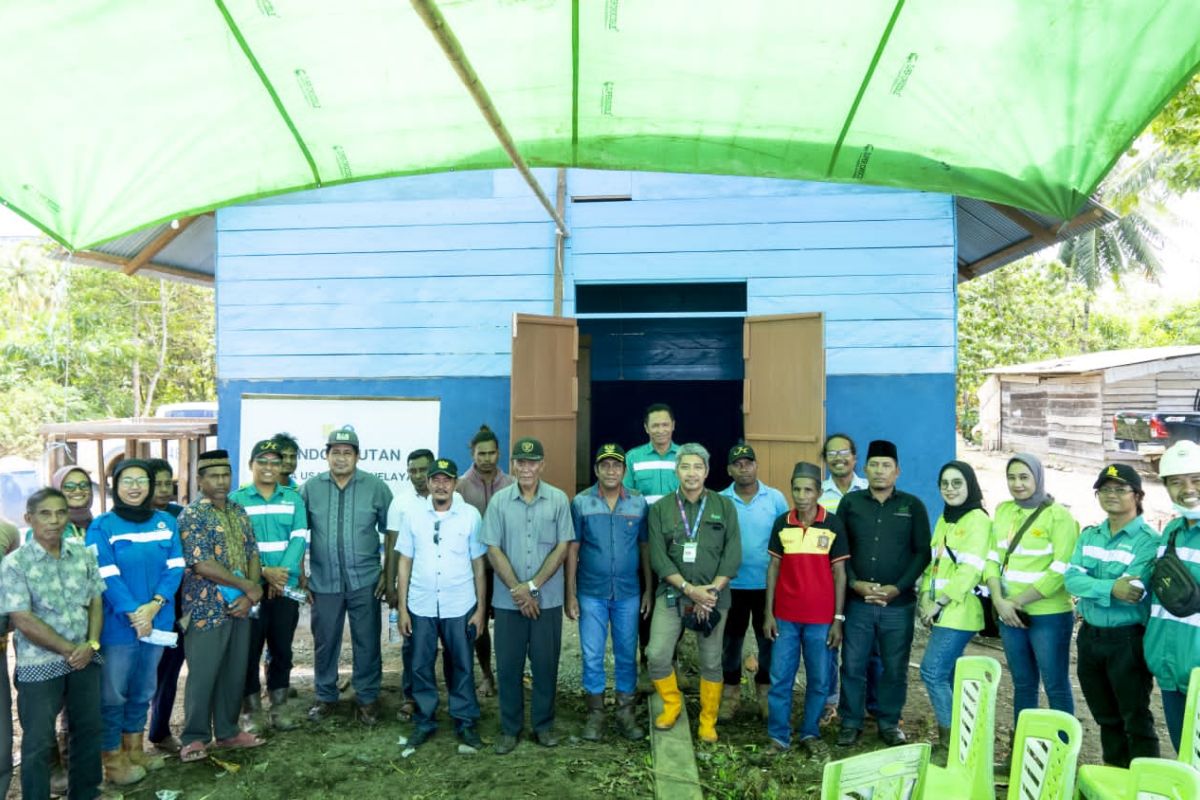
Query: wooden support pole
pixel 560 202
pixel 431 15
pixel 157 244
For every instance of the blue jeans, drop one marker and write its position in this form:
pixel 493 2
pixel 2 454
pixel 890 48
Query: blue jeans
pixel 1040 652
pixel 127 680
pixel 426 631
pixel 937 669
pixel 595 617
pixel 1173 708
pixel 795 637
pixel 874 673
pixel 891 627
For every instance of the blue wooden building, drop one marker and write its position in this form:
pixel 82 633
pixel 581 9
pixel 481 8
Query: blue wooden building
pixel 408 287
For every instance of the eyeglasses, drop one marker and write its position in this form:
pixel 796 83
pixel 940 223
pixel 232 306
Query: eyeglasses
pixel 834 453
pixel 73 486
pixel 1114 491
pixel 953 483
pixel 437 527
pixel 132 482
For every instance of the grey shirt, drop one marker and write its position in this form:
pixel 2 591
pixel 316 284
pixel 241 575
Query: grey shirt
pixel 346 526
pixel 526 533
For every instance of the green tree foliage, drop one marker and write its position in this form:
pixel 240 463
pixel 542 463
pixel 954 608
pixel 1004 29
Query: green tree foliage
pixel 80 342
pixel 1177 127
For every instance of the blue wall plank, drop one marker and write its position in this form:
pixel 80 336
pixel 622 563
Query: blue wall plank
pixel 914 411
pixel 381 213
pixel 465 339
pixel 365 366
pixel 627 267
pixel 438 264
pixel 349 291
pixel 918 305
pixel 773 236
pixel 280 316
pixel 887 360
pixel 654 185
pixel 466 403
pixel 491 236
pixel 736 210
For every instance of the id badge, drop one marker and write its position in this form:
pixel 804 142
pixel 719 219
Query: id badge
pixel 689 552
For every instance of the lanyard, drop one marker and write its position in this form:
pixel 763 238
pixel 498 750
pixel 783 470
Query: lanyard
pixel 692 531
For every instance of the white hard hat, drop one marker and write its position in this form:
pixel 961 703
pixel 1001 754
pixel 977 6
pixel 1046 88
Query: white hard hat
pixel 1181 458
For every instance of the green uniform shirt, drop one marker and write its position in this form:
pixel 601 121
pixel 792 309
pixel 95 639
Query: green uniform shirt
pixel 1100 558
pixel 718 542
pixel 650 473
pixel 1039 560
pixel 1172 643
pixel 958 556
pixel 280 527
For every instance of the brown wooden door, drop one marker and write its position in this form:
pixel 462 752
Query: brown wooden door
pixel 545 391
pixel 783 398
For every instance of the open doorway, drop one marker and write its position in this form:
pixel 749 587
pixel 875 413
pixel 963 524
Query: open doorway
pixel 692 364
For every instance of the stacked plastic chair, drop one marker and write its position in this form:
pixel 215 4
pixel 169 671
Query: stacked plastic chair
pixel 968 770
pixel 895 773
pixel 1045 752
pixel 1113 783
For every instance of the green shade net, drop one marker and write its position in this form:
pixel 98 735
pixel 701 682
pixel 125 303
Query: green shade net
pixel 122 114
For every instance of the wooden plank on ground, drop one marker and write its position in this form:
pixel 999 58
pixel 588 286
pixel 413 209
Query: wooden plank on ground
pixel 675 775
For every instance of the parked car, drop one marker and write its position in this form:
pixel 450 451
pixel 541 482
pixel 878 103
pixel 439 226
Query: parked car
pixel 1150 433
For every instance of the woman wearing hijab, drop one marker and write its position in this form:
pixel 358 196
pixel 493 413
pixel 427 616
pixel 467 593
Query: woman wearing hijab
pixel 1034 539
pixel 141 562
pixel 76 484
pixel 947 601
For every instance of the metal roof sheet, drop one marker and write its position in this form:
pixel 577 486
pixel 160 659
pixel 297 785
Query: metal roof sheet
pixel 1097 362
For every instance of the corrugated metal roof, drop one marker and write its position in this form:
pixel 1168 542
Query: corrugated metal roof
pixel 1097 362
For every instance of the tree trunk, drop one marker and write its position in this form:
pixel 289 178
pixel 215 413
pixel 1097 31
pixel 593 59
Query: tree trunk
pixel 160 364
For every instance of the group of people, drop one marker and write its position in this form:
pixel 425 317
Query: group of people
pixel 106 610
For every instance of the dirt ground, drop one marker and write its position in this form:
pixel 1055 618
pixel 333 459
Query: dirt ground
pixel 341 759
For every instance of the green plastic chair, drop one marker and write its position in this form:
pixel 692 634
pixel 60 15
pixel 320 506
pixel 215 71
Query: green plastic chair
pixel 972 730
pixel 1162 779
pixel 1102 782
pixel 1045 751
pixel 895 773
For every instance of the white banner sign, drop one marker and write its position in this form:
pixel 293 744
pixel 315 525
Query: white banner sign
pixel 388 428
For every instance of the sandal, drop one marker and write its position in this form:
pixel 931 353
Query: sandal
pixel 407 709
pixel 243 741
pixel 192 751
pixel 487 688
pixel 828 715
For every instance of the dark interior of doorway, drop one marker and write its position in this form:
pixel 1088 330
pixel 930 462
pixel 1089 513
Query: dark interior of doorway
pixel 708 412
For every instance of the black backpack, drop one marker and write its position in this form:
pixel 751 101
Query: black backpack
pixel 1173 584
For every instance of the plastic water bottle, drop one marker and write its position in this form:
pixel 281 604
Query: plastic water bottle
pixel 394 626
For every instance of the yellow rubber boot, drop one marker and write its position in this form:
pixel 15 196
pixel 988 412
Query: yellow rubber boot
pixel 710 706
pixel 131 743
pixel 668 690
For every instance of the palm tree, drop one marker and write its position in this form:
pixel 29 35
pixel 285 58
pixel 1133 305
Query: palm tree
pixel 1129 245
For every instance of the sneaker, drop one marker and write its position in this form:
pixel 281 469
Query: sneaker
pixel 848 737
pixel 470 737
pixel 547 738
pixel 892 737
pixel 420 736
pixel 815 747
pixel 320 711
pixel 776 748
pixel 505 744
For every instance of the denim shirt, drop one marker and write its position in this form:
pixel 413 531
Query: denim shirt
pixel 609 543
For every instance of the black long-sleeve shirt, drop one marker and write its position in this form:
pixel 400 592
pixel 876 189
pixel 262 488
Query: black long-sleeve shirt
pixel 889 541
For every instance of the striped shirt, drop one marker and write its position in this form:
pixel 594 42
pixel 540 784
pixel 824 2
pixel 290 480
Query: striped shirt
pixel 280 527
pixel 1172 643
pixel 1100 558
pixel 1039 559
pixel 650 473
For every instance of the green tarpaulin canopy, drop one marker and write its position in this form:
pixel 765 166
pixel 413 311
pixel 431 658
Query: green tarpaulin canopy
pixel 123 113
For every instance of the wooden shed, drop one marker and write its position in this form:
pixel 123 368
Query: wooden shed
pixel 1062 409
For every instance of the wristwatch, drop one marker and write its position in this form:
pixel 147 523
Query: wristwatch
pixel 840 617
pixel 92 643
pixel 533 589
